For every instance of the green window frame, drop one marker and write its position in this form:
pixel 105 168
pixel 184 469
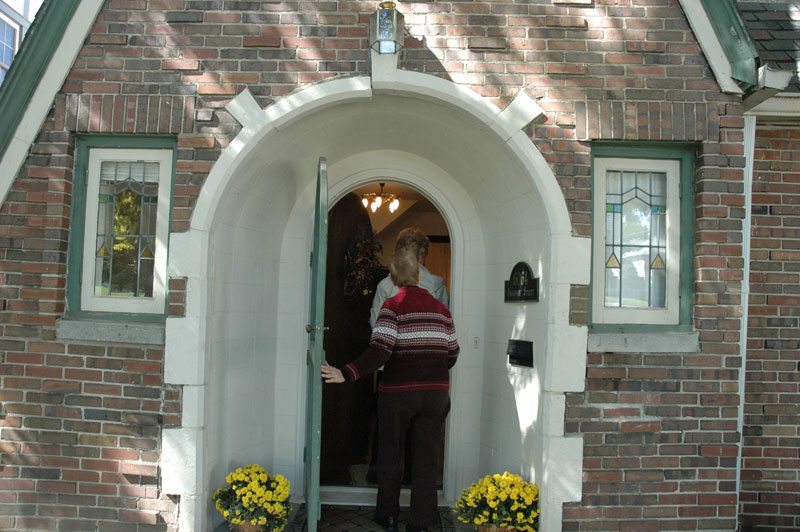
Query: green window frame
pixel 92 151
pixel 680 158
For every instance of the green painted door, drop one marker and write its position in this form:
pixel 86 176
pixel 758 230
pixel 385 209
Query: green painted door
pixel 316 354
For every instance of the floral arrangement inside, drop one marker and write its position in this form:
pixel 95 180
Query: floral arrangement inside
pixel 254 497
pixel 505 501
pixel 361 262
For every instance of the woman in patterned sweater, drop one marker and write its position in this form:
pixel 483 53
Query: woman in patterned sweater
pixel 415 340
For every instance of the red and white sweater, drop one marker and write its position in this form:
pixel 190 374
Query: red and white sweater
pixel 414 339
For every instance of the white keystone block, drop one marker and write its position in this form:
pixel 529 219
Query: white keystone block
pixel 563 472
pixel 574 260
pixel 393 80
pixel 188 254
pixel 519 113
pixel 193 407
pixel 191 514
pixel 184 351
pixel 383 68
pixel 246 110
pixel 566 366
pixel 553 408
pixel 563 469
pixel 558 302
pixel 181 449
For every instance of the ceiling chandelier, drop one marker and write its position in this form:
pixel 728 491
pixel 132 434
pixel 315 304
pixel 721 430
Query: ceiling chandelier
pixel 373 200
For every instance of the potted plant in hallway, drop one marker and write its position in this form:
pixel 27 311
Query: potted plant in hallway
pixel 254 500
pixel 500 502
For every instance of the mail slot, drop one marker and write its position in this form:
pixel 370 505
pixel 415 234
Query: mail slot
pixel 520 353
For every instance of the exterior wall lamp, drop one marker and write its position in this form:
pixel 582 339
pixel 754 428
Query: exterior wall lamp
pixel 386 29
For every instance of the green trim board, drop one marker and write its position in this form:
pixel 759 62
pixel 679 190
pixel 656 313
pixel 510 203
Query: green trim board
pixel 80 180
pixel 30 64
pixel 685 153
pixel 735 41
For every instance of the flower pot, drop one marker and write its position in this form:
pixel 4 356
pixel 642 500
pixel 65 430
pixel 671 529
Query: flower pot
pixel 494 528
pixel 246 527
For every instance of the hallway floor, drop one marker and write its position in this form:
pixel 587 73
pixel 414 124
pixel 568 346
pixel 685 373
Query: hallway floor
pixel 358 518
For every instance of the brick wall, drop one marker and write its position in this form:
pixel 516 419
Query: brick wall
pixel 81 435
pixel 659 430
pixel 771 463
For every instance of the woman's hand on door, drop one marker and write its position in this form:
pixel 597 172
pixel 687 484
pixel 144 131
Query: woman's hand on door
pixel 330 374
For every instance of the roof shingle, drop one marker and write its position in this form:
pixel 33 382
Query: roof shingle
pixel 775 29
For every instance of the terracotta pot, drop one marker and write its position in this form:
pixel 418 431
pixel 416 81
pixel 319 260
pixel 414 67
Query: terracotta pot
pixel 246 527
pixel 494 528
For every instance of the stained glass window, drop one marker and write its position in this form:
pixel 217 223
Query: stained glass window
pixel 636 257
pixel 126 229
pixel 636 239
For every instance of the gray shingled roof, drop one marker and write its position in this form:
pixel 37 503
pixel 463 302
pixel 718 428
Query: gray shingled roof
pixel 775 29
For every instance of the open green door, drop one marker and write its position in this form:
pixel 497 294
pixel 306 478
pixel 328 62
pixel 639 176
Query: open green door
pixel 316 354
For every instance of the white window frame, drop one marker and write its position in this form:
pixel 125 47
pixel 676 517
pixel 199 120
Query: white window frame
pixel 670 315
pixel 144 305
pixel 17 29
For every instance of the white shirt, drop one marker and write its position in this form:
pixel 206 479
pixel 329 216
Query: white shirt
pixel 386 289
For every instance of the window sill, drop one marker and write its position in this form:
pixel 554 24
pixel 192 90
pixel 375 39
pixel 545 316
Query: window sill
pixel 110 331
pixel 655 342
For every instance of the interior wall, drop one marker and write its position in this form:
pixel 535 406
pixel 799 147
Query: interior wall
pixel 242 396
pixel 430 223
pixel 515 231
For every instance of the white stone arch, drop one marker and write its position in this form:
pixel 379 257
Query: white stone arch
pixel 556 460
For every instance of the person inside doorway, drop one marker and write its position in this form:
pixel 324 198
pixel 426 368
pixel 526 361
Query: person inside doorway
pixel 415 240
pixel 414 339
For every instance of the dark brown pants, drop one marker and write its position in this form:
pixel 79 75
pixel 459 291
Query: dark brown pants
pixel 419 416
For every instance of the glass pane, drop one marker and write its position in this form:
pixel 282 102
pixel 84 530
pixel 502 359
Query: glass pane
pixel 634 289
pixel 636 227
pixel 385 24
pixel 658 288
pixel 126 228
pixel 613 185
pixel 612 287
pixel 127 213
pixel 8 37
pixel 628 189
pixel 105 213
pixel 101 267
pixel 146 277
pixel 124 266
pixel 108 171
pixel 151 172
pixel 659 188
pixel 643 183
pixel 635 223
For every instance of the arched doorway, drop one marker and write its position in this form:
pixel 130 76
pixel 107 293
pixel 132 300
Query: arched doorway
pixel 246 258
pixel 361 241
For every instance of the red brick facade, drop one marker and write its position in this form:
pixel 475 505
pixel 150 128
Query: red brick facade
pixel 771 466
pixel 81 421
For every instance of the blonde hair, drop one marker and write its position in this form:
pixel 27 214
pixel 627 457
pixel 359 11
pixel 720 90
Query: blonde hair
pixel 404 268
pixel 415 240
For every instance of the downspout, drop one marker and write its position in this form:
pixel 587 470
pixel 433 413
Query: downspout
pixel 749 152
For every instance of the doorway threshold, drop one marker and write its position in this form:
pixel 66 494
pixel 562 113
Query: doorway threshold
pixel 365 496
